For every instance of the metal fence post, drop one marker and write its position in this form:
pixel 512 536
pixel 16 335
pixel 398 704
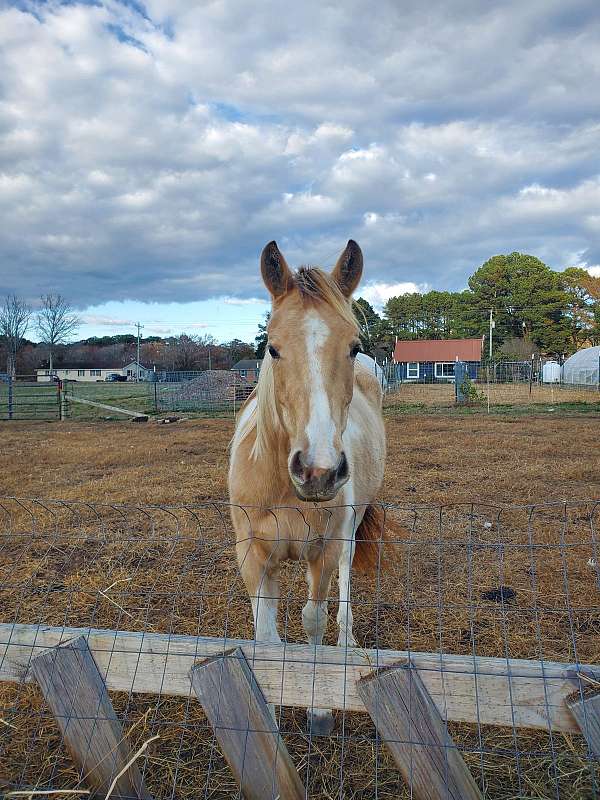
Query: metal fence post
pixel 10 396
pixel 531 373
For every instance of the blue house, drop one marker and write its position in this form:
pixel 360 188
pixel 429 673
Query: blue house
pixel 431 360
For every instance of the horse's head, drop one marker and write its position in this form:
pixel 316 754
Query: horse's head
pixel 313 342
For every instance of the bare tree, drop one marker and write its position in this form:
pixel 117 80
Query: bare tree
pixel 186 352
pixel 56 323
pixel 14 321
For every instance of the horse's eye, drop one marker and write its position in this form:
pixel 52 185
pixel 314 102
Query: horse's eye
pixel 272 352
pixel 355 350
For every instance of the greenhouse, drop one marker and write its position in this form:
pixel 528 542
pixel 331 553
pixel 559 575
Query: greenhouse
pixel 582 367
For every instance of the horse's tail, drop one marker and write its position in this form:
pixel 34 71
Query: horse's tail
pixel 376 529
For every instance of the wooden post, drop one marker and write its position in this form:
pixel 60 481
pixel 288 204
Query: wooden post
pixel 245 729
pixel 10 396
pixel 61 400
pixel 73 688
pixel 411 726
pixel 586 710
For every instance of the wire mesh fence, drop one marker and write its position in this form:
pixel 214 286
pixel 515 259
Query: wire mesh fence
pixel 223 392
pixel 463 590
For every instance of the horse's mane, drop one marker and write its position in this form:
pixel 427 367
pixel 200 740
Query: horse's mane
pixel 314 286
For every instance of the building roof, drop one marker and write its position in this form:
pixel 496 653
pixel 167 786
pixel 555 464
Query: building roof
pixel 135 363
pixel 438 350
pixel 248 363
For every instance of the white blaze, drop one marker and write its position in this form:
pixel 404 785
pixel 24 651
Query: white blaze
pixel 320 429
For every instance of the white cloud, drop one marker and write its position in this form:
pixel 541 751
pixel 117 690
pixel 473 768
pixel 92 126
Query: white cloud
pixel 377 294
pixel 150 157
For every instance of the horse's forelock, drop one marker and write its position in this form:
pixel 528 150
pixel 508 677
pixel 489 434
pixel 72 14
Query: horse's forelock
pixel 315 285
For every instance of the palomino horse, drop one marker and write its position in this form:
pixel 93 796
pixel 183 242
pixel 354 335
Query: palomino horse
pixel 309 441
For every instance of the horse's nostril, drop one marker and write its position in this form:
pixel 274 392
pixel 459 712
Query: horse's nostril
pixel 296 466
pixel 342 470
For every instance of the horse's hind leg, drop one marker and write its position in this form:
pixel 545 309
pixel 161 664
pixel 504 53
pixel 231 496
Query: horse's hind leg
pixel 314 619
pixel 344 617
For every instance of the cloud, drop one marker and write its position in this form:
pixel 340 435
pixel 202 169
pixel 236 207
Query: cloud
pixel 377 294
pixel 149 156
pixel 109 322
pixel 242 301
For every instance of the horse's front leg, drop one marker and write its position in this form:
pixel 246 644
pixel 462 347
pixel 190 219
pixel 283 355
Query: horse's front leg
pixel 314 620
pixel 345 619
pixel 262 583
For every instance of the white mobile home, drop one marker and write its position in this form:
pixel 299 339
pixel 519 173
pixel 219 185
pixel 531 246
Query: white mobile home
pixel 78 373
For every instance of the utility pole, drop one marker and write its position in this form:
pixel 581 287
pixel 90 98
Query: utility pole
pixel 139 327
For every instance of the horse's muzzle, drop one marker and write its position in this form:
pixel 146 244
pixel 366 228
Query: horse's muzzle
pixel 314 484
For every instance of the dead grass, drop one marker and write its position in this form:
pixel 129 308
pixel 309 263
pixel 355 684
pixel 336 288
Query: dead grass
pixel 517 394
pixel 126 572
pixel 433 459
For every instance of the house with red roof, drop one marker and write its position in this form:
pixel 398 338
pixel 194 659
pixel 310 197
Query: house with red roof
pixel 430 360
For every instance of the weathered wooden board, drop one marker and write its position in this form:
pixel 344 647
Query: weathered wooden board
pixel 245 729
pixel 73 688
pixel 586 710
pixel 528 694
pixel 410 725
pixel 73 399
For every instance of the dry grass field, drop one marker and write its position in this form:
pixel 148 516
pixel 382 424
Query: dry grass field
pixel 96 568
pixel 500 394
pixel 433 459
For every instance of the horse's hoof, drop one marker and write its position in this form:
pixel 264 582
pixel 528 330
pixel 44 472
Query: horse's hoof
pixel 320 724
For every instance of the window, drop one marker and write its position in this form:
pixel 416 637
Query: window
pixel 243 373
pixel 96 372
pixel 46 372
pixel 412 369
pixel 444 369
pixel 66 371
pixel 80 373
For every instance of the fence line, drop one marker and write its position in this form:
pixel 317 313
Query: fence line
pixel 495 607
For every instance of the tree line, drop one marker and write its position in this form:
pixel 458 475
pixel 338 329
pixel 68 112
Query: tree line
pixel 56 324
pixel 534 309
pixel 532 306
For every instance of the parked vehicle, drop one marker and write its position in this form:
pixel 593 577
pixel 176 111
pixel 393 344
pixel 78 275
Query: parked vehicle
pixel 114 376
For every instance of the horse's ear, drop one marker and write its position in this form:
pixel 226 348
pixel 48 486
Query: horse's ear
pixel 275 272
pixel 348 270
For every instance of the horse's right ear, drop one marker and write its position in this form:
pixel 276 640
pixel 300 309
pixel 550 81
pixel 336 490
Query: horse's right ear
pixel 275 272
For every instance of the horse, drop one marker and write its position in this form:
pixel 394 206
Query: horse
pixel 308 452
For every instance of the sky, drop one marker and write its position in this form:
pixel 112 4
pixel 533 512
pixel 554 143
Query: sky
pixel 149 151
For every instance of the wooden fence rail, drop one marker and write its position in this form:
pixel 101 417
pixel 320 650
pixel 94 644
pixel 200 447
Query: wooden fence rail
pixel 491 691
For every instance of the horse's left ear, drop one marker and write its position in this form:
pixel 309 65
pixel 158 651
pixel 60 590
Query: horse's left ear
pixel 348 270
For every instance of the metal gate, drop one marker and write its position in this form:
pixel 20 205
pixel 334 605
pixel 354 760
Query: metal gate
pixel 27 399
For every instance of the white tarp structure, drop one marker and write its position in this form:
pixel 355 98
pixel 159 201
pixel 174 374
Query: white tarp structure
pixel 372 365
pixel 582 367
